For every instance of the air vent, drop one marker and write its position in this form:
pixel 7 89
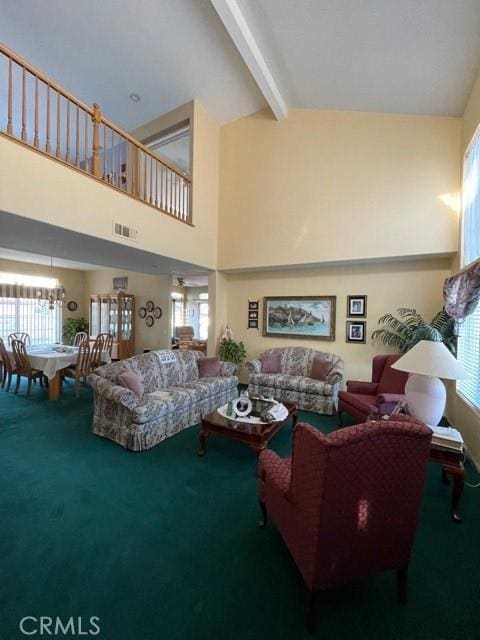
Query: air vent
pixel 124 232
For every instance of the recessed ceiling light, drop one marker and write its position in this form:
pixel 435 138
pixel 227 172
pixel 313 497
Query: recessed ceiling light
pixel 135 97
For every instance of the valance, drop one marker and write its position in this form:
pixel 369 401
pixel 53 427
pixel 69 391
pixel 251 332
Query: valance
pixel 461 292
pixel 36 293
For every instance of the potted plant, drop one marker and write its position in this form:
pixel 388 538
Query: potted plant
pixel 72 326
pixel 232 351
pixel 404 332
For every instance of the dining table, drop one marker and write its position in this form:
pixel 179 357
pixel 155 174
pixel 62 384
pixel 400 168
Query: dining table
pixel 51 359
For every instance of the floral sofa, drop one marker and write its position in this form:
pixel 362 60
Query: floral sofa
pixel 174 397
pixel 293 381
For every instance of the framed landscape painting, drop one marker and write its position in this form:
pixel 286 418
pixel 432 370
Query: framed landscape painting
pixel 300 317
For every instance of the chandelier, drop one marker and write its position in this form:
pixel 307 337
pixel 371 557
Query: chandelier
pixel 51 297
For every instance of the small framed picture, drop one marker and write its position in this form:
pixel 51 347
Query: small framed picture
pixel 357 306
pixel 253 324
pixel 253 305
pixel 356 330
pixel 253 315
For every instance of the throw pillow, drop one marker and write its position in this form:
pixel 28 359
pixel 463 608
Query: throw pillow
pixel 129 379
pixel 320 368
pixel 208 367
pixel 271 362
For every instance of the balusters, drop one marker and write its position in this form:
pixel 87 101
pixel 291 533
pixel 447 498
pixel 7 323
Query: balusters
pixel 36 141
pixel 112 169
pixel 96 119
pixel 47 137
pixel 24 107
pixel 104 152
pixel 144 177
pixel 10 97
pixel 67 150
pixel 77 138
pixel 86 142
pixel 58 151
pixel 119 159
pixel 156 183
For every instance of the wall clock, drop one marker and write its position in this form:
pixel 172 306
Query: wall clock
pixel 72 305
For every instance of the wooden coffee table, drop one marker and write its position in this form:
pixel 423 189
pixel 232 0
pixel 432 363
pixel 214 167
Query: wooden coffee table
pixel 256 436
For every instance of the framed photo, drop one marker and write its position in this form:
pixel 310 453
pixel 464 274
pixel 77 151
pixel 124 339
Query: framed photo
pixel 311 317
pixel 356 330
pixel 253 305
pixel 253 324
pixel 253 315
pixel 120 284
pixel 357 306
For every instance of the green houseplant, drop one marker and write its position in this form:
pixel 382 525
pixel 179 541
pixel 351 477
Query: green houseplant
pixel 404 332
pixel 232 351
pixel 73 326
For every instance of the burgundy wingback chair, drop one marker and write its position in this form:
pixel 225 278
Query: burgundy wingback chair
pixel 347 504
pixel 379 396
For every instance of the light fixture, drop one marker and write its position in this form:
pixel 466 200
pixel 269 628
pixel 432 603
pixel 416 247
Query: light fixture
pixel 425 394
pixel 51 297
pixel 135 97
pixel 181 282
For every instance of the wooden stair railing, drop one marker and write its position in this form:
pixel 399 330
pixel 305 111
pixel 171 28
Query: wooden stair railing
pixel 39 113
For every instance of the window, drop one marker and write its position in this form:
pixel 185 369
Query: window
pixel 177 311
pixel 469 340
pixel 28 314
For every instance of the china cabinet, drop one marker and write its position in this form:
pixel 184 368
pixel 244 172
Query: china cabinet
pixel 114 313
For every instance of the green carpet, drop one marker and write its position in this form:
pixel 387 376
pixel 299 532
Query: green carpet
pixel 165 545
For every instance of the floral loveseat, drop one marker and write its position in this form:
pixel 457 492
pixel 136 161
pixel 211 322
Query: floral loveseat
pixel 293 382
pixel 174 397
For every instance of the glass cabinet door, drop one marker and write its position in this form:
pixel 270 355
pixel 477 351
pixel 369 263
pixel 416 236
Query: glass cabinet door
pixel 104 314
pixel 126 317
pixel 113 326
pixel 94 316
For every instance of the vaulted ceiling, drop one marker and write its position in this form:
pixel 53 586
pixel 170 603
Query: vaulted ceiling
pixel 413 56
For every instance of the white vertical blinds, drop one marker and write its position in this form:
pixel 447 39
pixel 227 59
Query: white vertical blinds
pixel 469 340
pixel 30 316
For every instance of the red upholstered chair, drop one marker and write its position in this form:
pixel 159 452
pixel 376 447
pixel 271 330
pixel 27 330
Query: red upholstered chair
pixel 380 396
pixel 347 504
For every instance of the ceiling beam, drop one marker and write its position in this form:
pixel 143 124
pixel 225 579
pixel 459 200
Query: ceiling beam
pixel 239 31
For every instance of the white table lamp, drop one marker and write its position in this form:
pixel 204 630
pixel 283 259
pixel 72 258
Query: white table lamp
pixel 426 395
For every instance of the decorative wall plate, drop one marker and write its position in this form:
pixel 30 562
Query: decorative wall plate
pixel 149 306
pixel 72 305
pixel 149 321
pixel 157 313
pixel 142 312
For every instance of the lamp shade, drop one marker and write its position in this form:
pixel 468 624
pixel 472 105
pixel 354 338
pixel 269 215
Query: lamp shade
pixel 431 359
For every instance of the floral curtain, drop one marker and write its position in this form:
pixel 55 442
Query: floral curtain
pixel 461 292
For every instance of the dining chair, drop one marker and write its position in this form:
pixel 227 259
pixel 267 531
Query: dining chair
pixel 23 366
pixel 8 366
pixel 81 369
pixel 19 335
pixel 96 351
pixel 80 336
pixel 107 342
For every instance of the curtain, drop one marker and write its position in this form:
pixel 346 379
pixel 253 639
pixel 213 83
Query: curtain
pixel 461 292
pixel 24 291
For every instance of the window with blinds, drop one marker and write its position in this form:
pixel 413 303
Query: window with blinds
pixel 469 340
pixel 30 316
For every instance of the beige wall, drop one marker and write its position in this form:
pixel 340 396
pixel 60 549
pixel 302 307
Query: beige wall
pixel 416 284
pixel 144 287
pixel 72 280
pixel 326 186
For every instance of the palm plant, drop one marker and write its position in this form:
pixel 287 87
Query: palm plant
pixel 404 332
